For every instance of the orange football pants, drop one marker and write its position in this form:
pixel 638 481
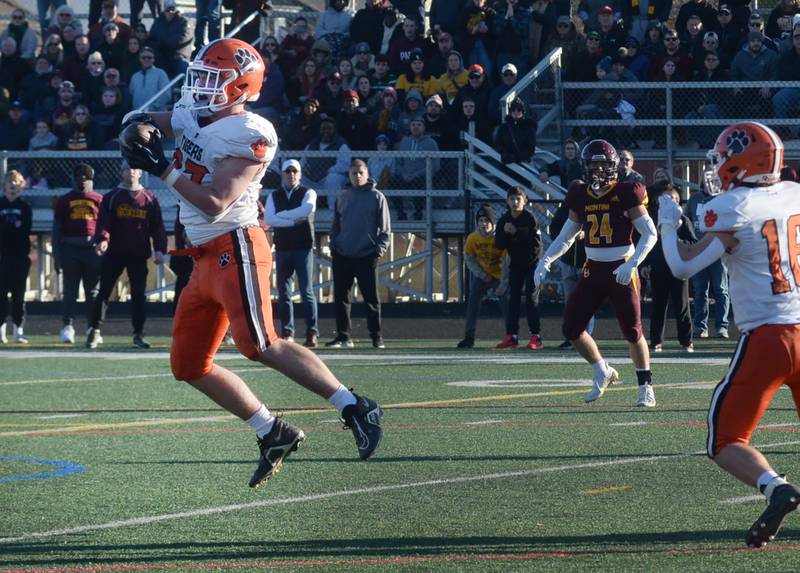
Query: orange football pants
pixel 765 359
pixel 229 286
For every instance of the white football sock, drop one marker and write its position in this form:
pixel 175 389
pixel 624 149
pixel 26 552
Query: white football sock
pixel 261 422
pixel 768 481
pixel 600 368
pixel 342 398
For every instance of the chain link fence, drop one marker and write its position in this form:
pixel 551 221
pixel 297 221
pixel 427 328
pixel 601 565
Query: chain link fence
pixel 676 115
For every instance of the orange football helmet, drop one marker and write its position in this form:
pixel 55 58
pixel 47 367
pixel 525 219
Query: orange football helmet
pixel 224 73
pixel 745 153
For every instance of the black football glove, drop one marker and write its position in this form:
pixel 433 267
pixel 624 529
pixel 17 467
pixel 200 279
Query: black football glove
pixel 147 157
pixel 141 117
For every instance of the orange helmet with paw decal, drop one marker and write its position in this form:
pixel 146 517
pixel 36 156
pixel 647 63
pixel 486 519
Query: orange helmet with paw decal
pixel 748 153
pixel 224 73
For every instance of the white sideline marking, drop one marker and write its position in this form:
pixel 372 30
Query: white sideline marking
pixel 103 378
pixel 779 425
pixel 743 499
pixel 482 422
pixel 495 358
pixel 641 423
pixel 348 492
pixel 56 416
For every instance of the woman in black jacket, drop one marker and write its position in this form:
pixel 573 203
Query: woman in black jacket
pixel 516 136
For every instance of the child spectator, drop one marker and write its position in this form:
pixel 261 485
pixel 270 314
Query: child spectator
pixel 485 263
pixel 43 139
pixel 518 233
pixel 15 264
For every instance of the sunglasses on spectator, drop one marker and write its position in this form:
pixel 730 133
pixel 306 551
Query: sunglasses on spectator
pixel 112 76
pixel 712 59
pixel 362 52
pixel 563 25
pixel 65 15
pixel 671 39
pixel 271 44
pixel 18 17
pixel 77 113
pixel 509 73
pixel 96 63
pixel 146 57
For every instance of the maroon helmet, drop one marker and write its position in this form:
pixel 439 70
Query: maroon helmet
pixel 600 163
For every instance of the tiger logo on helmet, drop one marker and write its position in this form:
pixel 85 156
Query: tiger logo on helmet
pixel 748 153
pixel 224 73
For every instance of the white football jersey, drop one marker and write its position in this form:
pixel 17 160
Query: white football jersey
pixel 198 151
pixel 765 266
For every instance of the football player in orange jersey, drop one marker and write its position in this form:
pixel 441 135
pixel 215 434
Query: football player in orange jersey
pixel 753 223
pixel 221 155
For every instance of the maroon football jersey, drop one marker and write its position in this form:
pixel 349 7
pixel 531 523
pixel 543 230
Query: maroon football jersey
pixel 603 218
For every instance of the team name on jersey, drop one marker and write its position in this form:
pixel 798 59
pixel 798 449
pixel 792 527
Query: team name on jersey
pixel 597 207
pixel 191 149
pixel 129 212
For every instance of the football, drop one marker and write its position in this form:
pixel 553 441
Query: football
pixel 136 133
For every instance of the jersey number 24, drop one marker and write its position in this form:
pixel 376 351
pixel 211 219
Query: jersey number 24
pixel 769 230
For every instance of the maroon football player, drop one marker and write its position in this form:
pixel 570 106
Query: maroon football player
pixel 607 211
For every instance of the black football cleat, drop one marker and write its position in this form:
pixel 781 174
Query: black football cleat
pixel 783 501
pixel 275 447
pixel 364 419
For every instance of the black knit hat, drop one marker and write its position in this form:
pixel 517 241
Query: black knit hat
pixel 487 211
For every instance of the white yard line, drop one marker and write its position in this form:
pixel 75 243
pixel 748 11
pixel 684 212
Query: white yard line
pixel 743 499
pixel 145 520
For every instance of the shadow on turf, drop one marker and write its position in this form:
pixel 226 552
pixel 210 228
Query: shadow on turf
pixel 615 543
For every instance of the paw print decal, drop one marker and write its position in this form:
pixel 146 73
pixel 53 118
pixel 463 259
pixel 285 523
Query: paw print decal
pixel 244 58
pixel 737 141
pixel 710 218
pixel 224 260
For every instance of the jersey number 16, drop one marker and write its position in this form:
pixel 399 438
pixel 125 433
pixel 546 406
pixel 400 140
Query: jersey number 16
pixel 769 230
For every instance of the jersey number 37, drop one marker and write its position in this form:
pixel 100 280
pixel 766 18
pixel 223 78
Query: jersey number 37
pixel 769 230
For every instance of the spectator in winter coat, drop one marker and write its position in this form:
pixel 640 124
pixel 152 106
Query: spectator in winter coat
pixel 22 34
pixel 333 26
pixel 455 77
pixel 15 131
pixel 303 126
pixel 568 168
pixel 43 139
pixel 755 63
pixel 411 172
pixel 402 46
pixel 516 137
pixel 148 81
pixel 171 38
pixel 354 126
pixel 508 77
pixel 367 23
pixel 296 47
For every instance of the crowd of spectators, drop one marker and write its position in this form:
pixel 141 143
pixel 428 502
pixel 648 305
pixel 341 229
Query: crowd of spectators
pixel 69 88
pixel 707 43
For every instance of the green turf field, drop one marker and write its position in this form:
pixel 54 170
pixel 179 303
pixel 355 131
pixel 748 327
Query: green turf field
pixel 490 462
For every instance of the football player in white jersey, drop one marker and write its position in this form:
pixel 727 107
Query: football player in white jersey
pixel 754 225
pixel 222 152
